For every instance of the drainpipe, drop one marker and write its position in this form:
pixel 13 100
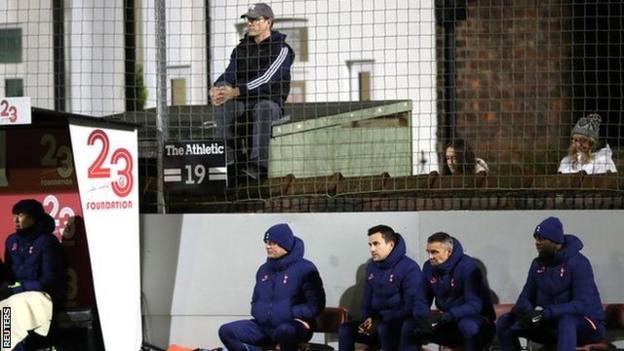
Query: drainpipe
pixel 449 12
pixel 449 78
pixel 130 55
pixel 58 40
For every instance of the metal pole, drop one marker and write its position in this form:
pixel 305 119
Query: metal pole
pixel 130 55
pixel 58 27
pixel 162 114
pixel 208 46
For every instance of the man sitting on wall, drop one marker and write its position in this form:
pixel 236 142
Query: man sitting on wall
pixel 256 82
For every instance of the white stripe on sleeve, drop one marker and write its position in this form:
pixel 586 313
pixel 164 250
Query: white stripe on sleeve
pixel 270 72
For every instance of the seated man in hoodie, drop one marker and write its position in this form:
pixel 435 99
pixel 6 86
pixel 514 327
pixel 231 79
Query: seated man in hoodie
pixel 392 282
pixel 466 315
pixel 559 304
pixel 287 297
pixel 255 84
pixel 34 262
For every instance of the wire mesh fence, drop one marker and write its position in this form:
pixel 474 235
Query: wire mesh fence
pixel 337 104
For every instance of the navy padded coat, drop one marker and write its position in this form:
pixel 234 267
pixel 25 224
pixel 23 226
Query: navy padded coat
pixel 564 285
pixel 391 286
pixel 34 258
pixel 458 286
pixel 287 288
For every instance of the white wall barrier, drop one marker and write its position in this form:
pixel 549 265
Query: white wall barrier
pixel 198 269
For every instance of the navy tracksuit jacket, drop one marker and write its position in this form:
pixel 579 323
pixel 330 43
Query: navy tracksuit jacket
pixel 260 70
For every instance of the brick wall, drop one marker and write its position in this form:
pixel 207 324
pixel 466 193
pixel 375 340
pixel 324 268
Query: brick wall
pixel 514 82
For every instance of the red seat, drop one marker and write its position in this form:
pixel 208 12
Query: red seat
pixel 328 321
pixel 502 308
pixel 614 321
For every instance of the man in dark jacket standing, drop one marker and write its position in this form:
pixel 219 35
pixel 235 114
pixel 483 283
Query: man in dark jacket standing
pixel 287 297
pixel 256 83
pixel 461 294
pixel 392 283
pixel 559 303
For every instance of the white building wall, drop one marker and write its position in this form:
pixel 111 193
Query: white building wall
pixel 95 57
pixel 399 36
pixel 186 49
pixel 94 54
pixel 34 17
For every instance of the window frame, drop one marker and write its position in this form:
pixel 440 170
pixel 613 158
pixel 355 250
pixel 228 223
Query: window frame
pixel 8 54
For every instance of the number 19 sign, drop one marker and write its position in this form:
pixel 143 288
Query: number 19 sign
pixel 194 166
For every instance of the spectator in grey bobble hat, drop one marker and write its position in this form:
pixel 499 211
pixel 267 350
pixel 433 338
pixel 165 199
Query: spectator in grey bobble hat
pixel 582 155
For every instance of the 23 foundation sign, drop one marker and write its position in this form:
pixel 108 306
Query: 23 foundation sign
pixel 106 167
pixel 40 159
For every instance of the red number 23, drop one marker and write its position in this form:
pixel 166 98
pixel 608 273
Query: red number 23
pixel 123 185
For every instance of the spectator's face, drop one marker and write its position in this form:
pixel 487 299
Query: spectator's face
pixel 451 160
pixel 378 247
pixel 438 253
pixel 273 250
pixel 545 248
pixel 258 26
pixel 23 221
pixel 581 143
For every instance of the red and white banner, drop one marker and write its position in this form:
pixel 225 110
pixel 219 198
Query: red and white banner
pixel 3 159
pixel 44 171
pixel 15 110
pixel 106 163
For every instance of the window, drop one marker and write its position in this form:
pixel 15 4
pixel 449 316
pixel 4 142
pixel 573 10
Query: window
pixel 10 45
pixel 297 91
pixel 13 87
pixel 364 86
pixel 297 38
pixel 361 79
pixel 178 92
